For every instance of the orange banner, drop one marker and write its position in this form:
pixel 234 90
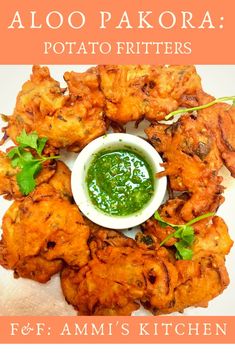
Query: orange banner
pixel 84 32
pixel 80 329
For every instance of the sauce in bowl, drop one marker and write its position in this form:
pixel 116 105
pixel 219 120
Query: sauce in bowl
pixel 114 181
pixel 120 182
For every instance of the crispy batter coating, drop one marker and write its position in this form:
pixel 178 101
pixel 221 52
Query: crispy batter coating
pixel 220 121
pixel 227 128
pixel 68 121
pixel 213 237
pixel 211 233
pixel 39 97
pixel 35 267
pixel 127 275
pixel 194 149
pixel 200 280
pixel 134 92
pixel 8 185
pixel 61 181
pixel 170 212
pixel 192 161
pixel 130 274
pixel 44 230
pixel 205 276
pixel 104 236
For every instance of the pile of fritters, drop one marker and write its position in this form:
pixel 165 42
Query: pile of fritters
pixel 103 272
pixel 118 93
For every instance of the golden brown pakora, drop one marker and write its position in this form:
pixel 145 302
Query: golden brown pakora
pixel 200 280
pixel 213 237
pixel 134 92
pixel 43 231
pixel 127 276
pixel 210 233
pixel 219 119
pixel 130 274
pixel 203 277
pixel 191 162
pixel 68 121
pixel 170 211
pixel 8 184
pixel 194 149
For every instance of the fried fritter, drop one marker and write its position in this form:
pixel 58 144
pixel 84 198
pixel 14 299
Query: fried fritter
pixel 192 161
pixel 61 181
pixel 8 185
pixel 68 121
pixel 205 276
pixel 200 280
pixel 213 237
pixel 43 231
pixel 85 85
pixel 117 279
pixel 210 233
pixel 39 97
pixel 134 92
pixel 219 119
pixel 121 274
pixel 193 157
pixel 194 149
pixel 107 237
pixel 170 212
pixel 34 267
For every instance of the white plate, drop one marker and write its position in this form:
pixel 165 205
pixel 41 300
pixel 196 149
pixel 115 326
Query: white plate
pixel 25 297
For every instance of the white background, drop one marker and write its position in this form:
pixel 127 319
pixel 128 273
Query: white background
pixel 25 297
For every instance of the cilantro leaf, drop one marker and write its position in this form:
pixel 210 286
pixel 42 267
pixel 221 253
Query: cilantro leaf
pixel 13 152
pixel 183 232
pixel 29 163
pixel 16 162
pixel 177 233
pixel 183 252
pixel 26 156
pixel 41 144
pixel 19 156
pixel 187 235
pixel 199 107
pixel 28 140
pixel 25 178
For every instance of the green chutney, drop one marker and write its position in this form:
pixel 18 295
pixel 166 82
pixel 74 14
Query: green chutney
pixel 120 182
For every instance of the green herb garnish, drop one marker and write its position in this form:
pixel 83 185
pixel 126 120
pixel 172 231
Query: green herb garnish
pixel 28 163
pixel 190 110
pixel 184 232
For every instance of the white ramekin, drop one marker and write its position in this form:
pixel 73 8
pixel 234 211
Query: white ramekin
pixel 79 186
